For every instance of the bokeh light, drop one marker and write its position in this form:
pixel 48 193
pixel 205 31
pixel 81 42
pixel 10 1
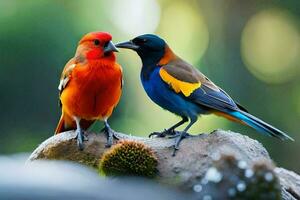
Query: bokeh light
pixel 184 28
pixel 134 17
pixel 9 10
pixel 271 45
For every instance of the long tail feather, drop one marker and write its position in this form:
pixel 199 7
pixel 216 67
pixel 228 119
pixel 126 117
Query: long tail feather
pixel 260 125
pixel 66 123
pixel 60 126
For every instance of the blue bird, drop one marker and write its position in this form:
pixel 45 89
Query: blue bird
pixel 178 87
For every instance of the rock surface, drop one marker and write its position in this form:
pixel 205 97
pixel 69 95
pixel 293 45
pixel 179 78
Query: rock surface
pixel 188 167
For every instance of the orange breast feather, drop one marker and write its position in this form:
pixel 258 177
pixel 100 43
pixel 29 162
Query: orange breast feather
pixel 94 89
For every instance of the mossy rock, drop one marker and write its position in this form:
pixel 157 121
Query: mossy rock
pixel 230 178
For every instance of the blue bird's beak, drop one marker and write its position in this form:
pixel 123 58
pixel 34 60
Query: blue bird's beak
pixel 127 45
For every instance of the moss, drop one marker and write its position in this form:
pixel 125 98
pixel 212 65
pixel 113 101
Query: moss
pixel 129 158
pixel 70 152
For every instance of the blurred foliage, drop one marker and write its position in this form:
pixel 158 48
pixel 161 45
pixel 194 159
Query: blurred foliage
pixel 249 48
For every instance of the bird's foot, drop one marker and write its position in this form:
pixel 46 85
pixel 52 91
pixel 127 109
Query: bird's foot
pixel 85 138
pixel 164 133
pixel 110 134
pixel 80 137
pixel 178 133
pixel 179 136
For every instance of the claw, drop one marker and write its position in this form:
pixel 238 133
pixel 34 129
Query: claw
pixel 178 133
pixel 174 152
pixel 109 142
pixel 110 134
pixel 115 136
pixel 157 134
pixel 175 135
pixel 85 138
pixel 164 133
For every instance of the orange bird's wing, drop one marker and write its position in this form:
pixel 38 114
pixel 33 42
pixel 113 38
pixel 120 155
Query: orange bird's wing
pixel 66 75
pixel 67 122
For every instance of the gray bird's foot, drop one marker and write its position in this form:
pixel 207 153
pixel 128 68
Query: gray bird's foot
pixel 164 133
pixel 178 133
pixel 85 138
pixel 80 137
pixel 110 134
pixel 178 138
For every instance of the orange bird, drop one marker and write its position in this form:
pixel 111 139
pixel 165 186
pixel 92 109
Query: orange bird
pixel 90 86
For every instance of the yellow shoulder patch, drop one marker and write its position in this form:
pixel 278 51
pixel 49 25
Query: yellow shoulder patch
pixel 177 85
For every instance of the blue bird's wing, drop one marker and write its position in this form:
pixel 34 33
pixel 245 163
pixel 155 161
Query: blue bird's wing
pixel 195 86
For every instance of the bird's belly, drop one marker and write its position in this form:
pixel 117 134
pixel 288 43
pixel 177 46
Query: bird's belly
pixel 161 94
pixel 95 98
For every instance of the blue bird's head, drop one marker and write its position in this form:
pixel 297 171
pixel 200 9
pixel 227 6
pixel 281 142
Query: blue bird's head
pixel 149 47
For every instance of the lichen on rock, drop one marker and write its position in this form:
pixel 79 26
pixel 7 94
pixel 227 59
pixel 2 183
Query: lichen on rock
pixel 230 178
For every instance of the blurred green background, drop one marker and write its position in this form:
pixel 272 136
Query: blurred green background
pixel 249 48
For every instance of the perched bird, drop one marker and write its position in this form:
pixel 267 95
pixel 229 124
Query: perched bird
pixel 90 86
pixel 178 87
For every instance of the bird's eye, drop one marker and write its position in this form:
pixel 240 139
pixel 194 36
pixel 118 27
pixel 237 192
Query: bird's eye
pixel 96 42
pixel 139 41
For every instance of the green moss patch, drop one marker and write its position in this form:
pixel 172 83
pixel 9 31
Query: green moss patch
pixel 129 158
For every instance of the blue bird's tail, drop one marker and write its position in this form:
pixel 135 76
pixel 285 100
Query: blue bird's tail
pixel 259 125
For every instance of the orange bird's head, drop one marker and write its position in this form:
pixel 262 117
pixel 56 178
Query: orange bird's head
pixel 96 45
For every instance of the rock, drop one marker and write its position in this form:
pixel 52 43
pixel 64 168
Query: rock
pixel 230 178
pixel 290 182
pixel 188 167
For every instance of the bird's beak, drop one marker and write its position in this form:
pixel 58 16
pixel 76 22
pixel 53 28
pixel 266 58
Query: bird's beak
pixel 110 47
pixel 127 45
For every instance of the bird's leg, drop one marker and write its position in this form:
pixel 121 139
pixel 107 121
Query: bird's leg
pixel 110 134
pixel 171 130
pixel 183 135
pixel 79 134
pixel 84 137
